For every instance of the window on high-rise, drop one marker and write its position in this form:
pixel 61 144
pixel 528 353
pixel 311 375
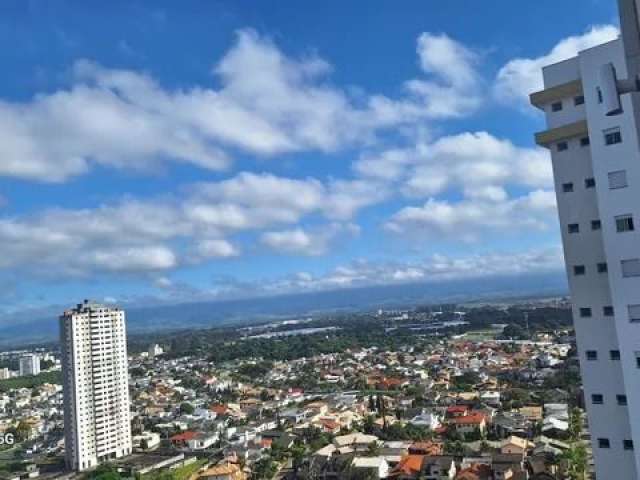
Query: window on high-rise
pixel 627 444
pixel 621 399
pixel 556 106
pixel 591 355
pixel 612 136
pixel 624 223
pixel 567 187
pixel 597 399
pixel 578 100
pixel 589 182
pixel 585 141
pixel 585 312
pixel 607 311
pixel 562 146
pixel 617 179
pixel 579 270
pixel 573 228
pixel 596 225
pixel 634 313
pixel 614 355
pixel 603 267
pixel 604 443
pixel 630 267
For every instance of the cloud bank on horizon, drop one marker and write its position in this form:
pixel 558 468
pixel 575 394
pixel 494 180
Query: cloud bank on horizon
pixel 402 190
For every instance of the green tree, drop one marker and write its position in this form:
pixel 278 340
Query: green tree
pixel 298 453
pixel 455 448
pixel 576 455
pixel 373 449
pixel 23 431
pixel 264 468
pixel 575 424
pixel 186 408
pixel 368 424
pixel 576 458
pixel 105 471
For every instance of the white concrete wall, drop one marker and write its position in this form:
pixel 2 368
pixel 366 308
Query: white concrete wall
pixel 588 247
pixel 619 246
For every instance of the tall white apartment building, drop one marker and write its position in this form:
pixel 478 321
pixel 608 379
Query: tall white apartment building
pixel 29 365
pixel 155 350
pixel 592 108
pixel 97 424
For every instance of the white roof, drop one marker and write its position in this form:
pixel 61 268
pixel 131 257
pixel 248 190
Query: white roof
pixel 552 422
pixel 326 451
pixel 352 438
pixel 368 462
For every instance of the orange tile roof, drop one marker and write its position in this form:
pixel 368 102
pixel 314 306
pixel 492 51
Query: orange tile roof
pixel 474 418
pixel 409 465
pixel 426 448
pixel 330 424
pixel 183 437
pixel 475 472
pixel 458 409
pixel 218 409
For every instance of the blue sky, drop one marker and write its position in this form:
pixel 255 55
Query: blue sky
pixel 156 153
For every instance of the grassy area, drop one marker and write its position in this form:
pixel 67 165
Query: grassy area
pixel 32 381
pixel 181 473
pixel 479 335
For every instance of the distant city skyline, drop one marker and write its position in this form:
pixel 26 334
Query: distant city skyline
pixel 225 150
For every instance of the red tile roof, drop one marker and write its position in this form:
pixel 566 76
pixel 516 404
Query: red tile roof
pixel 475 472
pixel 458 409
pixel 409 465
pixel 184 436
pixel 473 418
pixel 330 424
pixel 218 409
pixel 426 448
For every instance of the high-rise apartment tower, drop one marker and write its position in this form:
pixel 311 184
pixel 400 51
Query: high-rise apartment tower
pixel 96 392
pixel 592 108
pixel 29 365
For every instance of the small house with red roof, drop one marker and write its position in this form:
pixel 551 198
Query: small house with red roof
pixel 470 423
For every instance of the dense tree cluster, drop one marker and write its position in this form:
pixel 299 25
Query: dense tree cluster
pixel 32 381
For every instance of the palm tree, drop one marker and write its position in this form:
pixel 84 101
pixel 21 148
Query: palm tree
pixel 576 457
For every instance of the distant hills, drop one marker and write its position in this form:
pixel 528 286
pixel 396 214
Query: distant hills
pixel 44 328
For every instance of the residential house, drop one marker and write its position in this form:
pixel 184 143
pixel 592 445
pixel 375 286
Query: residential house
pixel 377 465
pixel 471 423
pixel 227 471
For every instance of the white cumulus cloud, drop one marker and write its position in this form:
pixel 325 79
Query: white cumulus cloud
pixel 523 76
pixel 469 219
pixel 267 104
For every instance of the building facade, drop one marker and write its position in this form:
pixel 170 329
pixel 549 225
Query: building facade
pixel 592 108
pixel 95 380
pixel 155 350
pixel 29 365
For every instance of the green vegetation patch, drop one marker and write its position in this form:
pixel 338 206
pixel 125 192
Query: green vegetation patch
pixel 31 381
